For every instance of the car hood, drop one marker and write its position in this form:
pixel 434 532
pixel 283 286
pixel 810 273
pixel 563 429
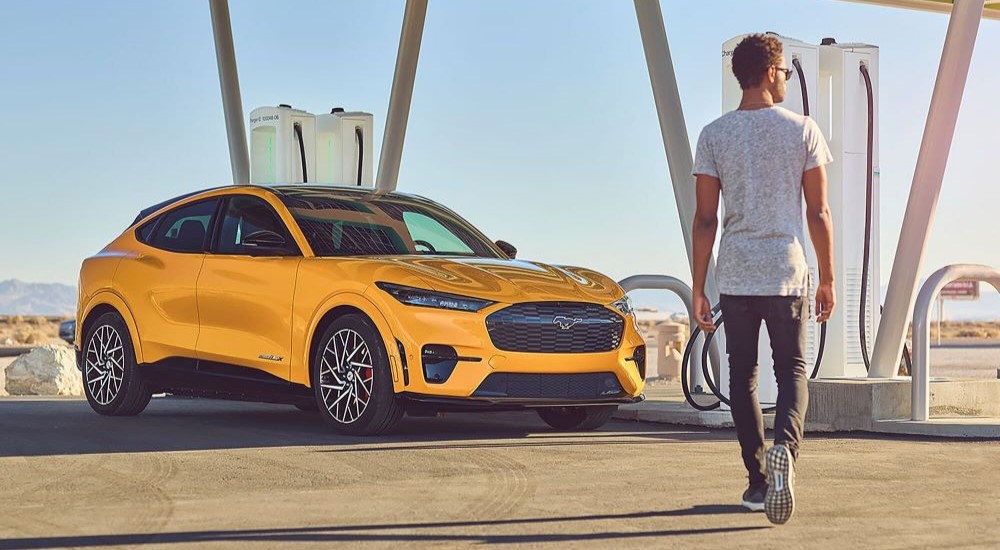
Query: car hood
pixel 510 280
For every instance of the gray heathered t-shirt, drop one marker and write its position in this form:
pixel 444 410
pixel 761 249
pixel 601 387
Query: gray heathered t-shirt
pixel 760 156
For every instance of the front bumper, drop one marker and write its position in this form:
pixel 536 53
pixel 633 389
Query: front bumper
pixel 416 328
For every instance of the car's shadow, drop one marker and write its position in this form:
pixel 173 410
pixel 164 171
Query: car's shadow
pixel 68 426
pixel 449 533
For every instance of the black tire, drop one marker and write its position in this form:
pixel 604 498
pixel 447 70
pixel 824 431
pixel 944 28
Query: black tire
pixel 336 385
pixel 125 397
pixel 579 419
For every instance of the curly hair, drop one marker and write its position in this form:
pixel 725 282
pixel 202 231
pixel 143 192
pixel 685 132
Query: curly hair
pixel 753 56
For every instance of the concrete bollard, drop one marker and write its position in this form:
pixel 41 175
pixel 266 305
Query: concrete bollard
pixel 672 364
pixel 670 341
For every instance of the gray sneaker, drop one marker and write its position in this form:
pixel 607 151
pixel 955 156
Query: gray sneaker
pixel 779 502
pixel 753 497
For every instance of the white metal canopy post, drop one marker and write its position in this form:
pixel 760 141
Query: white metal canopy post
pixel 672 125
pixel 229 81
pixel 949 87
pixel 402 94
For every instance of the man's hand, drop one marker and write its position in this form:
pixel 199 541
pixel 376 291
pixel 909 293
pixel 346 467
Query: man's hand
pixel 703 313
pixel 825 301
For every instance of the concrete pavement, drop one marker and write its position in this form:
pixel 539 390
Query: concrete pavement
pixel 188 473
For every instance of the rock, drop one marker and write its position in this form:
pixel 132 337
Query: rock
pixel 4 362
pixel 46 370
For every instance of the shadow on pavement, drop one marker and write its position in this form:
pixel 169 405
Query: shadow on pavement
pixel 70 427
pixel 407 532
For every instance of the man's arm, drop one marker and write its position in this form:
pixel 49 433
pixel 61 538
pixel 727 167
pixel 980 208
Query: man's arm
pixel 821 232
pixel 706 223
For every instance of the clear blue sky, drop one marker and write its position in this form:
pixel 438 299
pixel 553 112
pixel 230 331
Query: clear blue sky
pixel 534 120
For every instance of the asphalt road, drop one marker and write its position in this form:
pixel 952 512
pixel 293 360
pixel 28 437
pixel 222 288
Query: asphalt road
pixel 196 473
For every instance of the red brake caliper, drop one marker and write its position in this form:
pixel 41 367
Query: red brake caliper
pixel 367 374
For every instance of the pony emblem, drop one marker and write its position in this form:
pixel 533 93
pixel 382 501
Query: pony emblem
pixel 566 323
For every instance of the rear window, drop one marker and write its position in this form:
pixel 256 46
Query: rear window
pixel 184 229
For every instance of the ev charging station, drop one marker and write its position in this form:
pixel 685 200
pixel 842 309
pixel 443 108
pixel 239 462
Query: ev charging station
pixel 829 87
pixel 843 118
pixel 292 146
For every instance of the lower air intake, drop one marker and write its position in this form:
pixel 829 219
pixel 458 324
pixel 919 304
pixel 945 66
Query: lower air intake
pixel 589 385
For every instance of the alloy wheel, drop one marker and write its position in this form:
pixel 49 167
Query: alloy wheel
pixel 105 364
pixel 346 376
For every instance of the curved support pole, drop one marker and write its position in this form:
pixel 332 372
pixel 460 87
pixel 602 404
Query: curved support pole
pixel 401 95
pixel 920 376
pixel 953 71
pixel 681 289
pixel 673 129
pixel 229 81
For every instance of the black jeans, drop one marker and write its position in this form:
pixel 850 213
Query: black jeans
pixel 785 318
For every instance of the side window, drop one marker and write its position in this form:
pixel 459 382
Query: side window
pixel 245 215
pixel 425 230
pixel 184 229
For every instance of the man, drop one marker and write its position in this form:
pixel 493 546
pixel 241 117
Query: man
pixel 763 159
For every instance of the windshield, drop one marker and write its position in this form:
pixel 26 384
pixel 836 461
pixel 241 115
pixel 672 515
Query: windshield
pixel 375 225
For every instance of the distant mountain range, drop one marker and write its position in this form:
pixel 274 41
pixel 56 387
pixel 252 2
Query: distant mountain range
pixel 21 298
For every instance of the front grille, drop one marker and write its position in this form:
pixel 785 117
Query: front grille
pixel 556 327
pixel 587 385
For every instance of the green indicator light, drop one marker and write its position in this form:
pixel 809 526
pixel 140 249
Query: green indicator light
pixel 269 153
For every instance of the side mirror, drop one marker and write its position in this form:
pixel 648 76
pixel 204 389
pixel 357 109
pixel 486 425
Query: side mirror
pixel 264 240
pixel 507 249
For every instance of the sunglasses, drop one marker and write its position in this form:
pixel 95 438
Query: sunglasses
pixel 788 72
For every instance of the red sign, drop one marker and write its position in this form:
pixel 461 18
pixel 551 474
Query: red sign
pixel 960 290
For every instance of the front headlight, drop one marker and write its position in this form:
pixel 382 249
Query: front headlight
pixel 623 305
pixel 428 298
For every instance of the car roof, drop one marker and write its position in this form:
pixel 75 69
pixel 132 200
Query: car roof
pixel 145 212
pixel 290 190
pixel 339 192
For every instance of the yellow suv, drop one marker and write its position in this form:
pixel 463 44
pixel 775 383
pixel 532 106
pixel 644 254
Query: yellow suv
pixel 361 305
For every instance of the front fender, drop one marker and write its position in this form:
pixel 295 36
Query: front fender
pixel 300 371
